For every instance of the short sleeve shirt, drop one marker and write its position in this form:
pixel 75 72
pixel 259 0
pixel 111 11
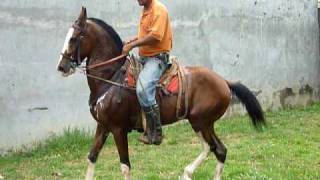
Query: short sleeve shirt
pixel 155 21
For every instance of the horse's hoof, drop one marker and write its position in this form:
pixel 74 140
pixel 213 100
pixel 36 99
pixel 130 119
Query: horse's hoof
pixel 185 177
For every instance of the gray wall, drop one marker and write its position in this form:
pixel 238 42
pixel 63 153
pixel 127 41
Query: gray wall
pixel 271 46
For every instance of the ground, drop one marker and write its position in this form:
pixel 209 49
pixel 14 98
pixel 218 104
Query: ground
pixel 288 149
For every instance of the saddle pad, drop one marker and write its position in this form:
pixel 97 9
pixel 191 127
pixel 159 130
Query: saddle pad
pixel 173 86
pixel 169 81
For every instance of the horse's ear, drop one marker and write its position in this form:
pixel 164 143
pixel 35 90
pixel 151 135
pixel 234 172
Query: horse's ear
pixel 84 9
pixel 83 15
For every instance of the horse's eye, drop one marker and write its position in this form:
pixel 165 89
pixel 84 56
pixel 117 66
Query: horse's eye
pixel 73 40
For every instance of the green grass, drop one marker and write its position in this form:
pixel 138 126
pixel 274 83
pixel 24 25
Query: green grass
pixel 288 149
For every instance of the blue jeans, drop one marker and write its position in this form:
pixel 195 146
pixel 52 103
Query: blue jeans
pixel 148 79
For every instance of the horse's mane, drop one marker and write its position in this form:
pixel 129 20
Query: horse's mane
pixel 114 35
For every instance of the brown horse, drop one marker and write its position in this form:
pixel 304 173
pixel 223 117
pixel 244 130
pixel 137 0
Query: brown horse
pixel 115 108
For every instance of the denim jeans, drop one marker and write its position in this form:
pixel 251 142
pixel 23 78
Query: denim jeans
pixel 149 77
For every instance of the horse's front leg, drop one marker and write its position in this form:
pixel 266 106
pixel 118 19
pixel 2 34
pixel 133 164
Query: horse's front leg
pixel 99 140
pixel 121 140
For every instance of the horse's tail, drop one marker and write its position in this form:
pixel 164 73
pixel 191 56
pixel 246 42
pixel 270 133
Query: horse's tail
pixel 251 103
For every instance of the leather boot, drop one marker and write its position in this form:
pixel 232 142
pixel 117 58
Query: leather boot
pixel 157 129
pixel 146 137
pixel 154 130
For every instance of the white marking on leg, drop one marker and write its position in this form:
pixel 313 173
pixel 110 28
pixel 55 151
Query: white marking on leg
pixel 66 42
pixel 125 171
pixel 188 171
pixel 219 170
pixel 90 170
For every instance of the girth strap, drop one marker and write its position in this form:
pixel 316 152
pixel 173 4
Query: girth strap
pixel 183 93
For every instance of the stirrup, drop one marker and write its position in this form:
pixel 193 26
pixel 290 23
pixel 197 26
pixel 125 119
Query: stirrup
pixel 157 140
pixel 144 139
pixel 153 134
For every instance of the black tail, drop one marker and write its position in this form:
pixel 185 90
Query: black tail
pixel 251 103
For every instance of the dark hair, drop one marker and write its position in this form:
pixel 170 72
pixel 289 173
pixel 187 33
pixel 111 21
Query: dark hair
pixel 114 35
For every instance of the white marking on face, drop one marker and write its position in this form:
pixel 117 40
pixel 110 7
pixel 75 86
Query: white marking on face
pixel 90 170
pixel 125 171
pixel 66 42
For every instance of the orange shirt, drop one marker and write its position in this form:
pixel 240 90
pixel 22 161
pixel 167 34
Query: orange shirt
pixel 155 21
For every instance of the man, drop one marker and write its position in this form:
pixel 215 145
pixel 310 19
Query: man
pixel 155 42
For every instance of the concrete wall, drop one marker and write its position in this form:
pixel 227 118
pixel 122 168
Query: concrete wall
pixel 271 46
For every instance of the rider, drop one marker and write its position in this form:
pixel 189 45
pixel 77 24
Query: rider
pixel 154 41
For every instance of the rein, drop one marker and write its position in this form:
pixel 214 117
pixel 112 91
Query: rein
pixel 76 60
pixel 105 80
pixel 108 62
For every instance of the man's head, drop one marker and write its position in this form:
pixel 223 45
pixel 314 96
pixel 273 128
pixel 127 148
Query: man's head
pixel 144 2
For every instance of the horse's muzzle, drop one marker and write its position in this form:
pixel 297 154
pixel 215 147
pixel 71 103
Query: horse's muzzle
pixel 60 69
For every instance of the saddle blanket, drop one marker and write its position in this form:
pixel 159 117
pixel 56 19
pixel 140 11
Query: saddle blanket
pixel 169 81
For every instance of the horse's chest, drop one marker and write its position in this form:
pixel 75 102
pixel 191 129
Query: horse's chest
pixel 99 108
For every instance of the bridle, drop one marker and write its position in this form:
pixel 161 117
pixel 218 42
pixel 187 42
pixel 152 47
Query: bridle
pixel 75 60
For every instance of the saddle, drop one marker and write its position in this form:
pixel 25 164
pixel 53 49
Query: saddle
pixel 172 82
pixel 169 81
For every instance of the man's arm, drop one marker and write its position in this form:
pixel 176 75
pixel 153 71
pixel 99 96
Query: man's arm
pixel 146 40
pixel 130 40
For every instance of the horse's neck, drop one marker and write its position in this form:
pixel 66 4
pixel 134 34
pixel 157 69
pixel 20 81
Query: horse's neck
pixel 111 72
pixel 104 49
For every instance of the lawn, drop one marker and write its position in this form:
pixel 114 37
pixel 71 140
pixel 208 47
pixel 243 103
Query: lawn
pixel 288 149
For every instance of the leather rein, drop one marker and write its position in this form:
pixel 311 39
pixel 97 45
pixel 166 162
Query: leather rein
pixel 105 63
pixel 76 61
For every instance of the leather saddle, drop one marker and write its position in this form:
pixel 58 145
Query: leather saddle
pixel 172 82
pixel 169 81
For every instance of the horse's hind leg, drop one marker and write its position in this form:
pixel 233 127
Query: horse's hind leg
pixel 188 171
pixel 217 148
pixel 99 140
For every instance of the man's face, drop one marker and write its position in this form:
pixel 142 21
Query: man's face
pixel 143 2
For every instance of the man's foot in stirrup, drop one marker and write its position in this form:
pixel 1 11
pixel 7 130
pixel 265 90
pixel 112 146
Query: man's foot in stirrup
pixel 144 138
pixel 156 137
pixel 154 129
pixel 156 140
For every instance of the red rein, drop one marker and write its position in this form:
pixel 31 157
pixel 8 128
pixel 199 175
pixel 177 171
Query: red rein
pixel 110 61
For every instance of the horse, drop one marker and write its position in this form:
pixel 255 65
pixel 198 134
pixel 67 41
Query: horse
pixel 113 106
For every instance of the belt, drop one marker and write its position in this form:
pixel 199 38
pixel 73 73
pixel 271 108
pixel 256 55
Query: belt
pixel 163 56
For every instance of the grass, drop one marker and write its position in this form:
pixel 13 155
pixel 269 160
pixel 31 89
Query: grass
pixel 288 149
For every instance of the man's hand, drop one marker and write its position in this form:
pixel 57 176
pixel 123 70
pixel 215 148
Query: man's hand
pixel 130 40
pixel 127 48
pixel 146 40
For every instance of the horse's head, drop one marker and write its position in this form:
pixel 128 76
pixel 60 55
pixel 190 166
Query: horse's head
pixel 76 46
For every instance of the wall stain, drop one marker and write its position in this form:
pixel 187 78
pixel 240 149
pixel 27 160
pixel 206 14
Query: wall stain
pixel 288 98
pixel 38 109
pixel 306 90
pixel 284 94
